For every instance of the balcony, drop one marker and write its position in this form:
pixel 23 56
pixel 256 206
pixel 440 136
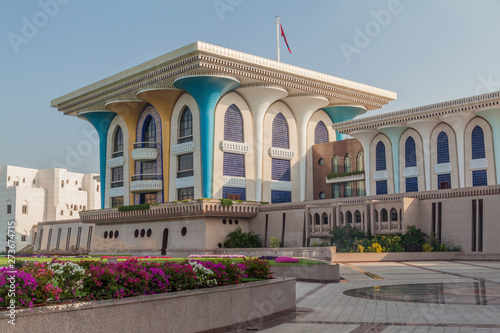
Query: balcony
pixel 346 178
pixel 144 151
pixel 146 183
pixel 234 147
pixel 281 153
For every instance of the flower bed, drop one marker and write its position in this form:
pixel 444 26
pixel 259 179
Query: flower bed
pixel 216 256
pixel 286 260
pixel 54 281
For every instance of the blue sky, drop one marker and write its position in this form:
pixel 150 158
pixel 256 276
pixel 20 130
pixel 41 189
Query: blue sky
pixel 427 51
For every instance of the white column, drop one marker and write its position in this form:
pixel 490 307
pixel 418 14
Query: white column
pixel 424 128
pixel 303 106
pixel 259 98
pixel 458 122
pixel 365 137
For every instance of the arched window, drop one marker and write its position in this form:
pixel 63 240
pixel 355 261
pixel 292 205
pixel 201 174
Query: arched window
pixel 280 132
pixel 186 126
pixel 357 216
pixel 233 124
pixel 320 133
pixel 394 215
pixel 360 161
pixel 443 150
pixel 384 216
pixel 149 134
pixel 324 217
pixel 348 217
pixel 118 142
pixel 335 164
pixel 380 156
pixel 316 219
pixel 347 163
pixel 410 153
pixel 477 143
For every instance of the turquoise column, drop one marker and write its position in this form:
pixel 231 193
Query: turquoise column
pixel 394 134
pixel 101 121
pixel 343 113
pixel 493 118
pixel 207 90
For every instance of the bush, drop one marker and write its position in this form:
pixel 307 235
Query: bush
pixel 181 276
pixel 133 207
pixel 274 242
pixel 343 237
pixel 240 239
pixel 376 248
pixel 258 268
pixel 427 247
pixel 69 277
pixel 46 291
pixel 413 239
pixel 390 243
pixel 226 202
pixel 25 287
pixel 360 248
pixel 286 260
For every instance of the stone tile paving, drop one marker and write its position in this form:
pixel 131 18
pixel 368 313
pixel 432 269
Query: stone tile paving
pixel 332 311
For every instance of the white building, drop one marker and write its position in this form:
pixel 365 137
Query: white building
pixel 30 196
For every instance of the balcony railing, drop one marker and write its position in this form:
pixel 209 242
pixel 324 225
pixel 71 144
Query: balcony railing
pixel 148 176
pixel 116 184
pixel 139 145
pixel 117 154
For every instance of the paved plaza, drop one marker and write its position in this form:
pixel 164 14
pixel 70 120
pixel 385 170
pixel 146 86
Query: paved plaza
pixel 469 300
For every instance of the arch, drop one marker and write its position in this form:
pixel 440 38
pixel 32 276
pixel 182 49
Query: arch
pixel 324 218
pixel 118 142
pixel 380 157
pixel 411 162
pixel 320 133
pixel 375 215
pixel 316 219
pixel 444 162
pixel 348 217
pixel 394 215
pixel 381 162
pixel 185 126
pixel 360 161
pixel 347 163
pixel 149 130
pixel 383 215
pixel 335 164
pixel 233 124
pixel 410 153
pixel 118 125
pixel 357 217
pixel 280 134
pixel 479 156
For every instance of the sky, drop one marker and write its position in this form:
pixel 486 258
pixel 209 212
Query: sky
pixel 427 51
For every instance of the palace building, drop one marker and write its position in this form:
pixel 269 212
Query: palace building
pixel 204 122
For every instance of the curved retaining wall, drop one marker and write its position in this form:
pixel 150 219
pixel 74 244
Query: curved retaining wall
pixel 204 310
pixel 309 273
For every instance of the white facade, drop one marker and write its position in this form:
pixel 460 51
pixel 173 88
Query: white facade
pixel 30 196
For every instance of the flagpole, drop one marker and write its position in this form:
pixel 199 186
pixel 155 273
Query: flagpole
pixel 278 36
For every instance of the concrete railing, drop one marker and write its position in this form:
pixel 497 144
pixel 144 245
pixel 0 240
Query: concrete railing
pixel 309 273
pixel 394 256
pixel 319 252
pixel 215 309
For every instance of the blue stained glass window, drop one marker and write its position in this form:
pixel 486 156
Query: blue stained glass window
pixel 320 133
pixel 443 149
pixel 380 156
pixel 149 134
pixel 280 170
pixel 479 178
pixel 477 142
pixel 234 165
pixel 410 153
pixel 233 124
pixel 280 196
pixel 234 190
pixel 444 181
pixel 381 187
pixel 280 132
pixel 412 184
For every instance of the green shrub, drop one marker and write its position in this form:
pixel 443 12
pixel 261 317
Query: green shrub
pixel 343 237
pixel 133 207
pixel 257 268
pixel 314 244
pixel 376 248
pixel 226 202
pixel 360 248
pixel 413 239
pixel 390 243
pixel 427 247
pixel 240 239
pixel 344 174
pixel 274 242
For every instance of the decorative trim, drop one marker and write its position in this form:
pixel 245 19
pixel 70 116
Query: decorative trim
pixel 380 175
pixel 144 154
pixel 116 192
pixel 410 172
pixel 352 178
pixel 115 162
pixel 139 186
pixel 479 163
pixel 441 168
pixel 281 153
pixel 182 148
pixel 234 147
pixel 228 181
pixel 184 182
pixel 278 185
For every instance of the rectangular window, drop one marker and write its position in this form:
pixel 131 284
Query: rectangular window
pixel 185 193
pixel 89 238
pixel 9 209
pixel 117 177
pixel 360 189
pixel 58 238
pixel 78 237
pixel 185 165
pixel 381 187
pixel 116 202
pixel 347 189
pixel 49 239
pixel 336 191
pixel 23 238
pixel 40 240
pixel 280 170
pixel 234 193
pixel 15 183
pixel 68 238
pixel 25 209
pixel 280 196
pixel 479 178
pixel 444 181
pixel 148 168
pixel 234 165
pixel 412 184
